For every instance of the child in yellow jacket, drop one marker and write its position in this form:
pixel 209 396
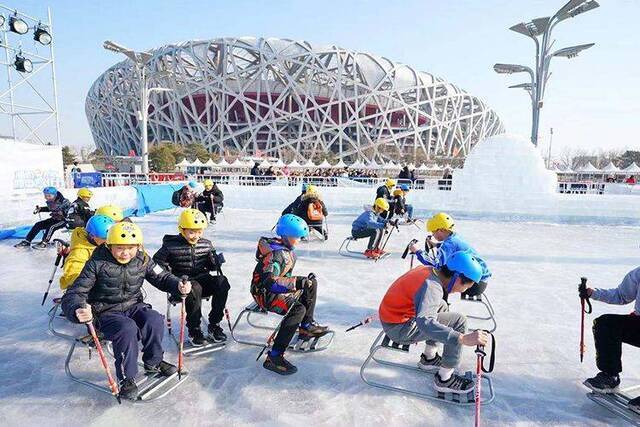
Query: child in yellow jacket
pixel 83 242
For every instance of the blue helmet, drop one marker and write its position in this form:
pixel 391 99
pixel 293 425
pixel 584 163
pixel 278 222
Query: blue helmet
pixel 98 226
pixel 193 184
pixel 463 262
pixel 50 190
pixel 290 225
pixel 305 185
pixel 405 187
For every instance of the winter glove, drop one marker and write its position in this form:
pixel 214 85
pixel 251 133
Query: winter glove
pixel 36 210
pixel 584 292
pixel 220 258
pixel 312 276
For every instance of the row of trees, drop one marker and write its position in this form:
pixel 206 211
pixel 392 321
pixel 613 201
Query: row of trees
pixel 575 158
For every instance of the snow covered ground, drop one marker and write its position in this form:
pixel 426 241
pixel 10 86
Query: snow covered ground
pixel 537 379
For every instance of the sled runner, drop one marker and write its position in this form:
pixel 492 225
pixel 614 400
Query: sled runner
pixel 618 403
pixel 345 251
pixel 151 387
pixel 190 349
pixel 315 234
pixel 382 344
pixel 297 344
pixel 486 302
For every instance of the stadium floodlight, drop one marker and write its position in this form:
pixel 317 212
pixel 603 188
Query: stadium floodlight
pixel 22 64
pixel 572 51
pixel 18 25
pixel 42 36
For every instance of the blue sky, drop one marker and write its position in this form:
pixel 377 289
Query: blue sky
pixel 592 101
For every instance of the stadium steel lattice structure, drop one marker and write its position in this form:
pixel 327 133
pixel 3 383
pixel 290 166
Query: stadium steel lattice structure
pixel 287 98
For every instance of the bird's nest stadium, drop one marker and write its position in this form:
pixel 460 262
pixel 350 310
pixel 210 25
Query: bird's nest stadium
pixel 287 99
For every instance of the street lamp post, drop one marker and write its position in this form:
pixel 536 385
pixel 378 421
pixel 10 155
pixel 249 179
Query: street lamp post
pixel 140 60
pixel 542 27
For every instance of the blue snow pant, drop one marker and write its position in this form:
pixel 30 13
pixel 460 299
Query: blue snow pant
pixel 409 209
pixel 125 328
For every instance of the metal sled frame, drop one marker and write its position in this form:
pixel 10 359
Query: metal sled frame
pixel 345 251
pixel 188 349
pixel 147 384
pixel 484 300
pixel 313 232
pixel 382 342
pixel 53 312
pixel 296 345
pixel 617 403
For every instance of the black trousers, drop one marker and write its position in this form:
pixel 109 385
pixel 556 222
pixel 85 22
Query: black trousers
pixel 477 289
pixel 203 286
pixel 609 332
pixel 374 235
pixel 301 312
pixel 49 226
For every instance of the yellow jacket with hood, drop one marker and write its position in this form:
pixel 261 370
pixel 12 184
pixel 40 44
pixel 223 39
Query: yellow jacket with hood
pixel 80 252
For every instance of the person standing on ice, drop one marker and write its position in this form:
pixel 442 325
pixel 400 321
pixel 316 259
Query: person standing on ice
pixel 275 289
pixel 109 288
pixel 447 242
pixel 188 254
pixel 57 206
pixel 84 240
pixel 611 330
pixel 414 310
pixel 371 224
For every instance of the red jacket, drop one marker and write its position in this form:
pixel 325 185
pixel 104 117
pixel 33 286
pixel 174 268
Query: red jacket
pixel 398 304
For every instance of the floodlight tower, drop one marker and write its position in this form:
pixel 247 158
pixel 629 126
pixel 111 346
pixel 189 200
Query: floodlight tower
pixel 539 30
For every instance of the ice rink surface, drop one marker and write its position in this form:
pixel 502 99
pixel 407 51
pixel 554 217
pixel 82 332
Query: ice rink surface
pixel 536 269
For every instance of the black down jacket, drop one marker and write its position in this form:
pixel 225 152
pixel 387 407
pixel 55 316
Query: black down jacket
pixel 108 285
pixel 181 258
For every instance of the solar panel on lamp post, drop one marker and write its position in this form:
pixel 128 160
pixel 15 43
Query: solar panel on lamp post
pixel 542 27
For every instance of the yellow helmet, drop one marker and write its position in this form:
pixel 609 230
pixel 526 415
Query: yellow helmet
pixel 440 221
pixel 208 184
pixel 312 190
pixel 124 233
pixel 192 219
pixel 85 192
pixel 398 192
pixel 381 204
pixel 112 211
pixel 390 182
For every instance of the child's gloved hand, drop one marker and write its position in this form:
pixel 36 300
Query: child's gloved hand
pixel 36 210
pixel 302 283
pixel 413 248
pixel 220 258
pixel 184 287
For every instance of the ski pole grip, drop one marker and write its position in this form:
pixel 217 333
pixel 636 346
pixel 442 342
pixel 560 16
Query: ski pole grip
pixel 184 278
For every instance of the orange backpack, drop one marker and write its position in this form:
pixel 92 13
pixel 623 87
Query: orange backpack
pixel 314 211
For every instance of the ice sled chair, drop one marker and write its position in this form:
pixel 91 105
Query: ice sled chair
pixel 151 387
pixel 253 311
pixel 346 251
pixel 188 348
pixel 384 345
pixel 618 403
pixel 490 316
pixel 318 230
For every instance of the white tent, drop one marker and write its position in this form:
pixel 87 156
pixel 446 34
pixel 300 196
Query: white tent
pixel 210 163
pixel 357 164
pixel 294 164
pixel 197 163
pixel 279 163
pixel 632 169
pixel 611 168
pixel 411 166
pixel 434 167
pixel 373 165
pixel 183 164
pixel 325 164
pixel 309 164
pixel 237 163
pixel 392 166
pixel 589 168
pixel 223 163
pixel 265 164
pixel 340 164
pixel 423 167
